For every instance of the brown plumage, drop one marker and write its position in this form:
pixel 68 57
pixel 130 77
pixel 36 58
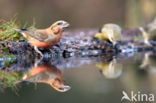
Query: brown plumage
pixel 48 74
pixel 44 38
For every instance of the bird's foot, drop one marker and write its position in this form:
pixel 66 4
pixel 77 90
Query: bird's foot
pixel 39 52
pixel 38 61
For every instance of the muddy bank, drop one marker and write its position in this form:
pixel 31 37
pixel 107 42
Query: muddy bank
pixel 79 42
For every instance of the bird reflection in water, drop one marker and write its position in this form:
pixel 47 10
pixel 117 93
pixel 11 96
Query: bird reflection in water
pixel 149 61
pixel 48 74
pixel 111 69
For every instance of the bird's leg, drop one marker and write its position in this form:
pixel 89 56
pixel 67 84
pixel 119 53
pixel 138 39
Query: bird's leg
pixel 146 41
pixel 51 50
pixel 38 51
pixel 111 36
pixel 37 61
pixel 112 40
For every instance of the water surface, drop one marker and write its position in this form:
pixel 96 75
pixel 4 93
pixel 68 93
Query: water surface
pixel 77 79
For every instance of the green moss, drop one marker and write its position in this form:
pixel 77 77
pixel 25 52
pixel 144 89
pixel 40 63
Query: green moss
pixel 7 32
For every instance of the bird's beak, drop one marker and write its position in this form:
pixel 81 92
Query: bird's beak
pixel 65 25
pixel 62 88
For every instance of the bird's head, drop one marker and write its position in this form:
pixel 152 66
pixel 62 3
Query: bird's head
pixel 59 26
pixel 59 85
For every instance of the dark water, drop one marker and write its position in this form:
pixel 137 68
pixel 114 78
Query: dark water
pixel 99 79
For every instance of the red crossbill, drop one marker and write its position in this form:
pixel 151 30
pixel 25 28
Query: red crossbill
pixel 44 38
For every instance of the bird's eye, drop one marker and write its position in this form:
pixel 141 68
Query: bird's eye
pixel 60 23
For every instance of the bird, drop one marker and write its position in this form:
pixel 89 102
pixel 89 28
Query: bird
pixel 149 36
pixel 110 70
pixel 45 73
pixel 44 38
pixel 110 32
pixel 149 61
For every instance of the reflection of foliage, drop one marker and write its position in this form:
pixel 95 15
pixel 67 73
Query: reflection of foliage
pixel 7 60
pixel 7 78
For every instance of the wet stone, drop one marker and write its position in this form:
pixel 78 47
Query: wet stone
pixel 78 43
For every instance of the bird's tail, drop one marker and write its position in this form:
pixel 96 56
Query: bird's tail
pixel 18 30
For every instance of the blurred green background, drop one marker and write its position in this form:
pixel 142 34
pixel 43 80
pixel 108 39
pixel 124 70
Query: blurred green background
pixel 80 13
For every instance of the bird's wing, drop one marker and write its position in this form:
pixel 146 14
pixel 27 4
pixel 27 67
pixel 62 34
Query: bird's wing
pixel 39 35
pixel 34 33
